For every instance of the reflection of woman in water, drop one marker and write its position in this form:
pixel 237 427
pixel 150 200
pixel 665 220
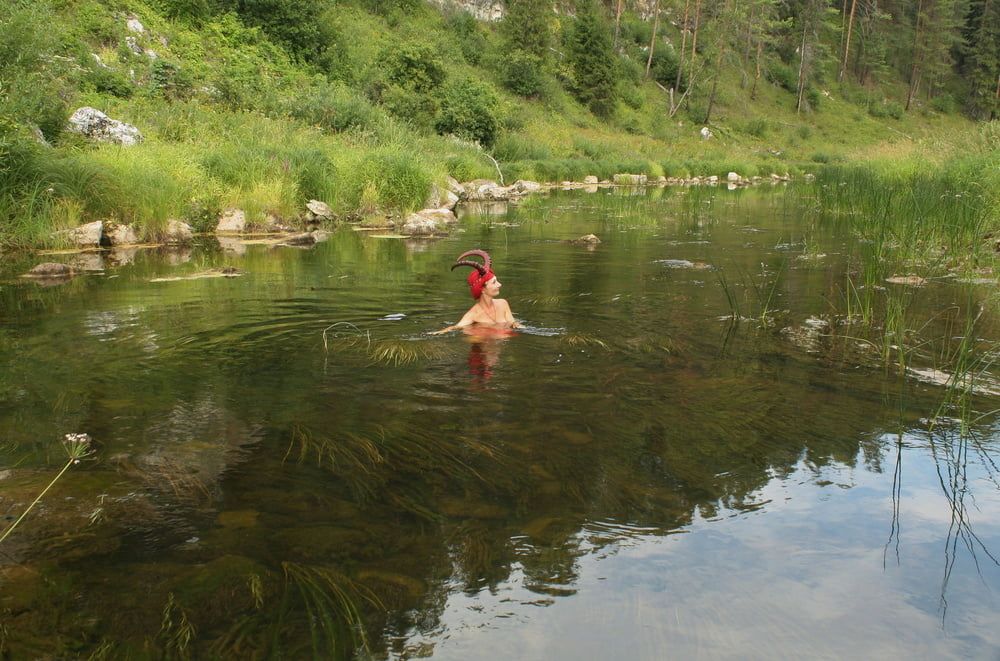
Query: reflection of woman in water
pixel 489 314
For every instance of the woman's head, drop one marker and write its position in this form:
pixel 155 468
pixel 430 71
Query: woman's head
pixel 481 276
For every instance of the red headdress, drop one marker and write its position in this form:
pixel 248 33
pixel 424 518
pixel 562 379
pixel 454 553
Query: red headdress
pixel 481 273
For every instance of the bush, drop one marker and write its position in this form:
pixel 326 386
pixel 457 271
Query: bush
pixel 756 127
pixel 109 81
pixel 294 24
pixel 664 70
pixel 170 81
pixel 469 35
pixel 333 107
pixel 416 108
pixel 783 76
pixel 413 66
pixel 468 110
pixel 522 73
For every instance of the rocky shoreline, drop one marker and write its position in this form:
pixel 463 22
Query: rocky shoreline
pixel 91 243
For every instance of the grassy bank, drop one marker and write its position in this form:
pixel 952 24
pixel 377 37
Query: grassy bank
pixel 232 116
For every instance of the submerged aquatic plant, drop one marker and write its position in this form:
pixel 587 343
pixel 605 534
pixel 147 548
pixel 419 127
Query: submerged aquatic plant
pixel 77 447
pixel 176 630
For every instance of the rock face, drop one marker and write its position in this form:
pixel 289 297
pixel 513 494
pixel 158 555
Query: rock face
pixel 84 236
pixel 428 222
pixel 231 221
pixel 483 10
pixel 94 124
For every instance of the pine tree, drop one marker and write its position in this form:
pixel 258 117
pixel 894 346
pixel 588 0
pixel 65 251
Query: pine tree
pixel 982 59
pixel 593 60
pixel 526 43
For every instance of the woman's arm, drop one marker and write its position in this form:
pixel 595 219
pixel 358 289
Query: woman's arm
pixel 467 320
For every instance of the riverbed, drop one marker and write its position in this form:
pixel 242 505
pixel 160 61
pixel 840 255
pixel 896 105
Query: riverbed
pixel 696 447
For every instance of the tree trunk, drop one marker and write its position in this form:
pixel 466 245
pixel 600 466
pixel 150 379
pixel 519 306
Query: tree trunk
pixel 847 41
pixel 684 34
pixel 917 56
pixel 618 20
pixel 746 52
pixel 802 70
pixel 652 41
pixel 694 37
pixel 753 90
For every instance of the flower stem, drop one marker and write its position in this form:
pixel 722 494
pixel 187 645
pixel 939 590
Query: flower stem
pixel 35 502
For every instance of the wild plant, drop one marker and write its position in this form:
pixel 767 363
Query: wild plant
pixel 77 447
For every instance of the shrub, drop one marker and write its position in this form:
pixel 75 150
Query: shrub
pixel 413 66
pixel 756 127
pixel 664 70
pixel 782 75
pixel 334 107
pixel 469 35
pixel 109 81
pixel 416 108
pixel 522 73
pixel 170 81
pixel 294 24
pixel 468 110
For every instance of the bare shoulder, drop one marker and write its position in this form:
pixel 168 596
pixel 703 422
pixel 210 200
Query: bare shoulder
pixel 502 303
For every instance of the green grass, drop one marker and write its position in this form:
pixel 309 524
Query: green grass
pixel 232 119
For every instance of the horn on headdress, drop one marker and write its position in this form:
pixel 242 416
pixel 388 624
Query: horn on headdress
pixel 482 268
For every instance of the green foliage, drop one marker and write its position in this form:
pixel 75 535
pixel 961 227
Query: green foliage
pixel 514 147
pixel 664 69
pixel 525 28
pixel 195 12
pixel 783 76
pixel 35 85
pixel 413 66
pixel 109 81
pixel 333 106
pixel 169 80
pixel 469 110
pixel 294 24
pixel 593 60
pixel 522 73
pixel 470 36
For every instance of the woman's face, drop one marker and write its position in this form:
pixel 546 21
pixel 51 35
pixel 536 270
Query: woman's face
pixel 492 287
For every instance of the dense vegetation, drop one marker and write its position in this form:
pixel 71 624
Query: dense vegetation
pixel 263 104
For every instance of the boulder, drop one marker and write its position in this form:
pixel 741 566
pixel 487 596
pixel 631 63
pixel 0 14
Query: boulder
pixel 121 235
pixel 50 270
pixel 441 198
pixel 623 179
pixel 84 236
pixel 587 239
pixel 177 231
pixel 452 185
pixel 733 177
pixel 132 24
pixel 94 124
pixel 485 189
pixel 705 133
pixel 231 221
pixel 318 211
pixel 525 187
pixel 590 179
pixel 133 45
pixel 428 222
pixel 714 179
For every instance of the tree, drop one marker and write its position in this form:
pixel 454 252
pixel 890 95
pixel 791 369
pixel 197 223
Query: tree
pixel 525 46
pixel 981 64
pixel 811 25
pixel 593 60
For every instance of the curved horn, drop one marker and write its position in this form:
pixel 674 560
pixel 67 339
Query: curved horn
pixel 468 262
pixel 482 268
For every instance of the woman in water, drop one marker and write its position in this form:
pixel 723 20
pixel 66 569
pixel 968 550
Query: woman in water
pixel 488 311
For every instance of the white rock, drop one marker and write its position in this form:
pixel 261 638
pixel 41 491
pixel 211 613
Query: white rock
pixel 319 210
pixel 178 231
pixel 84 236
pixel 95 125
pixel 705 133
pixel 231 221
pixel 122 235
pixel 134 25
pixel 733 177
pixel 590 179
pixel 428 221
pixel 713 179
pixel 524 187
pixel 133 45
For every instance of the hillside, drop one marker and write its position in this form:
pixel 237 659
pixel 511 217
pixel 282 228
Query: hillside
pixel 264 104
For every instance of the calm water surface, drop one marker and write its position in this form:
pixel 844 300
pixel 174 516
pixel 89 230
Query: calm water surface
pixel 288 465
